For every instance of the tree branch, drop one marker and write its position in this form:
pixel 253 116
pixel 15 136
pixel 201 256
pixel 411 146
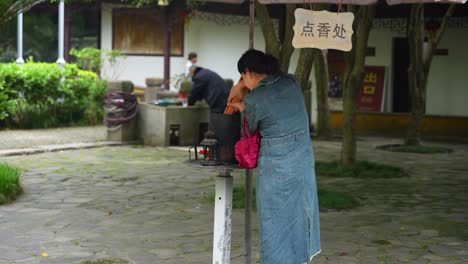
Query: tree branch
pixel 434 42
pixel 272 45
pixel 365 16
pixel 287 49
pixel 415 42
pixel 443 25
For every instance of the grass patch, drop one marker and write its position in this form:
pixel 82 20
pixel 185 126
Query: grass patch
pixel 327 199
pixel 238 198
pixel 362 169
pixel 9 183
pixel 422 149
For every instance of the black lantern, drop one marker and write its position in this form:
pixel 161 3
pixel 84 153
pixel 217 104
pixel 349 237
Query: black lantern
pixel 210 146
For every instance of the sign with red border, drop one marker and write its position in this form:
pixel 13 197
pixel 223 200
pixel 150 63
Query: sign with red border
pixel 370 97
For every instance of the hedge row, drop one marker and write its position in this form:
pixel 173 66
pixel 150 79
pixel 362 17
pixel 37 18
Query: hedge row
pixel 40 95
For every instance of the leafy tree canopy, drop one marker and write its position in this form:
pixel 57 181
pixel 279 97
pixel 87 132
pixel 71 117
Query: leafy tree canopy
pixel 9 8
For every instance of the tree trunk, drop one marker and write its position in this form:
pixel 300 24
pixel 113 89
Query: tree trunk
pixel 306 57
pixel 419 68
pixel 302 74
pixel 286 48
pixel 321 80
pixel 354 71
pixel 415 73
pixel 304 67
pixel 350 91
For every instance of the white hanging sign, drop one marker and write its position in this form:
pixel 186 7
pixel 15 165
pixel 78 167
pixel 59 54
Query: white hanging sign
pixel 323 30
pixel 396 2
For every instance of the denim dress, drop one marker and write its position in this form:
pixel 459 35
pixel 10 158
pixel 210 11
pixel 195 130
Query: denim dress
pixel 287 202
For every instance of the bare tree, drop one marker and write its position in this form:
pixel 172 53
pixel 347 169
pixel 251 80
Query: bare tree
pixel 420 65
pixel 353 75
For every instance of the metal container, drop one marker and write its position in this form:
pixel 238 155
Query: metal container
pixel 227 129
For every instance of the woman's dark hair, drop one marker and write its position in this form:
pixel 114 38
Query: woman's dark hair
pixel 192 55
pixel 258 62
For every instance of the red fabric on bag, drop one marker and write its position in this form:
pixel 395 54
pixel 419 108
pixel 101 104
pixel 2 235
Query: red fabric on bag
pixel 246 150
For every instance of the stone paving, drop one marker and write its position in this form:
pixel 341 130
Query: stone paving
pixel 143 205
pixel 15 139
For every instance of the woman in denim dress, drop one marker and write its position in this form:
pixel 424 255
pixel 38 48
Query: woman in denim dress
pixel 287 200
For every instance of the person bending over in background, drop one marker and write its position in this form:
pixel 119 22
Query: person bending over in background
pixel 210 86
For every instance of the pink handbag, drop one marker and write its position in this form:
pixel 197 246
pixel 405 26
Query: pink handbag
pixel 246 150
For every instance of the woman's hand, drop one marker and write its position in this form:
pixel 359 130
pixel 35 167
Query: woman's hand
pixel 239 90
pixel 238 106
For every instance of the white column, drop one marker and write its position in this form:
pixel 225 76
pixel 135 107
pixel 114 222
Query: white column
pixel 61 32
pixel 20 59
pixel 222 219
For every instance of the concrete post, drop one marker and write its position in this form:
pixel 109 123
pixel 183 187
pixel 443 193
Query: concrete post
pixel 20 59
pixel 153 86
pixel 127 131
pixel 222 219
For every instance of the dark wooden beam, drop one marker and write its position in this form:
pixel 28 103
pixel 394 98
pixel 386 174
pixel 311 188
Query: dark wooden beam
pixel 67 35
pixel 167 46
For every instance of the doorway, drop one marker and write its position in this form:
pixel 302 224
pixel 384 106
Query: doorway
pixel 401 98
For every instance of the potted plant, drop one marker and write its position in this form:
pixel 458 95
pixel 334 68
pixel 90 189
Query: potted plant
pixel 185 88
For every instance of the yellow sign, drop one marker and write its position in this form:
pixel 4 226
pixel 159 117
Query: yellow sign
pixel 323 30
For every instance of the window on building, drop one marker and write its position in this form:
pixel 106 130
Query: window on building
pixel 84 27
pixel 141 32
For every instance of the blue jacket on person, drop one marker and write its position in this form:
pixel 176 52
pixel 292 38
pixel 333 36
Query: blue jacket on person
pixel 210 86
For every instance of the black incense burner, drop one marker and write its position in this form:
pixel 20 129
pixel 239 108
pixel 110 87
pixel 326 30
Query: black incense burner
pixel 217 148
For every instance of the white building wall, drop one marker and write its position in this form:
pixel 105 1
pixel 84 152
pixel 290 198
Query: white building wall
pixel 447 89
pixel 219 46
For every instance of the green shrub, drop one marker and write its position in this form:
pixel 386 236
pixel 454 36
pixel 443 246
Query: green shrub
pixel 9 183
pixel 88 59
pixel 25 115
pixel 41 95
pixel 94 113
pixel 5 102
pixel 92 59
